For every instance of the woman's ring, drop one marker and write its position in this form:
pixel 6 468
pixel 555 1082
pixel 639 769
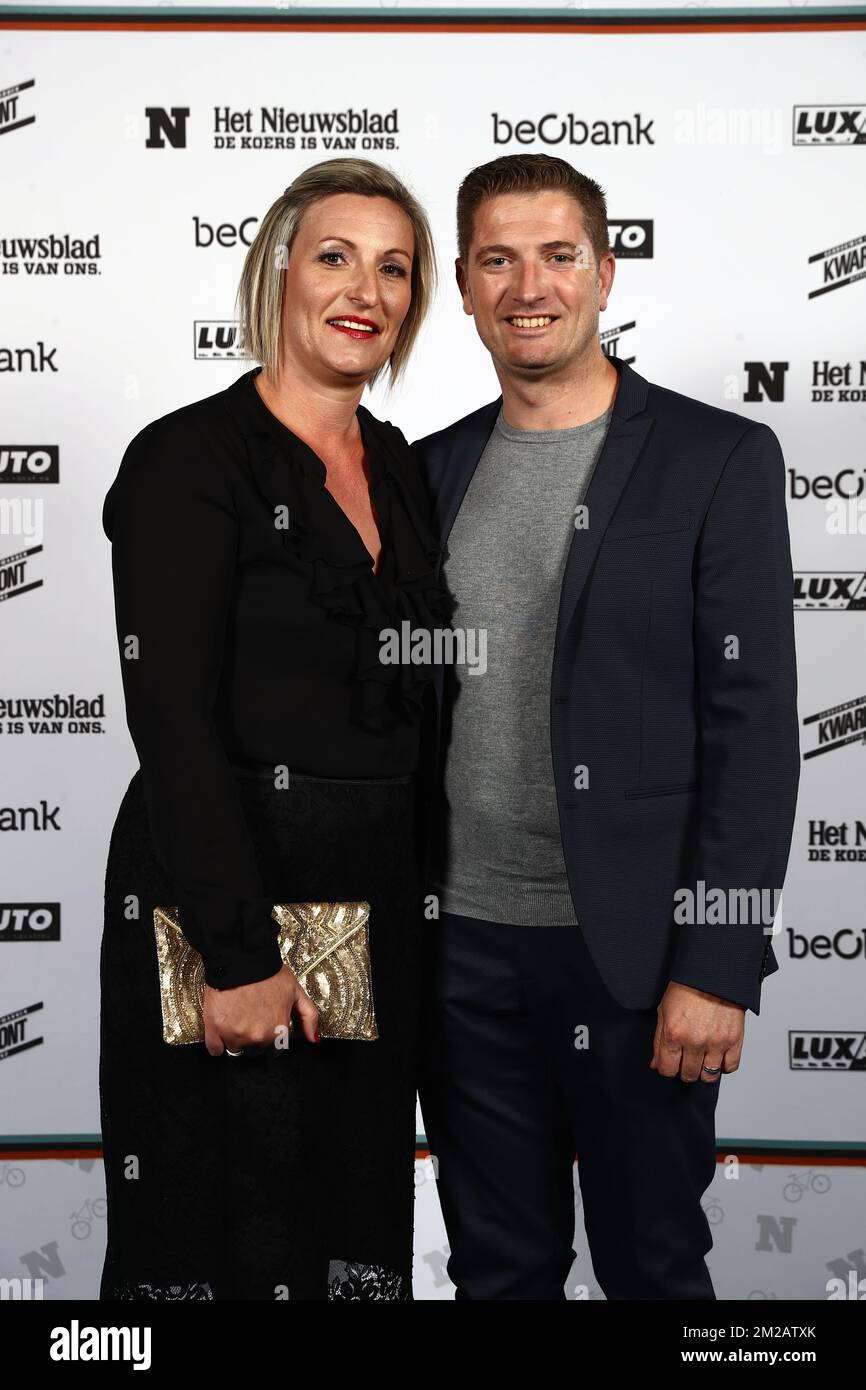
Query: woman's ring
pixel 234 1054
pixel 713 1071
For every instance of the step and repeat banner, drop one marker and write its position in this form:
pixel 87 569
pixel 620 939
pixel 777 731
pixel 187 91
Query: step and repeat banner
pixel 134 168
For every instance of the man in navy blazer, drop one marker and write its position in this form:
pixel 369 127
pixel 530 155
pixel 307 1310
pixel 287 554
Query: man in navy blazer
pixel 668 728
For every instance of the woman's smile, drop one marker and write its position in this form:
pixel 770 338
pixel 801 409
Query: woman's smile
pixel 355 327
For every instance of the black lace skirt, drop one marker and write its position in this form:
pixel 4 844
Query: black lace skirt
pixel 284 1175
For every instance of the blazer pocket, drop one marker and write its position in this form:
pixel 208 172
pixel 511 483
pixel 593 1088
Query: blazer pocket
pixel 662 791
pixel 649 525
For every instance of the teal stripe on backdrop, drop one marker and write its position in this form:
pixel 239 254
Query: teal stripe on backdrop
pixel 805 1148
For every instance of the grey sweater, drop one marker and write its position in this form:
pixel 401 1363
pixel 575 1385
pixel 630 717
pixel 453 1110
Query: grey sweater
pixel 503 859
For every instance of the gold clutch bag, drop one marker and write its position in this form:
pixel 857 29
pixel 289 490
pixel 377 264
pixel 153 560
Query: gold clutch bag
pixel 325 945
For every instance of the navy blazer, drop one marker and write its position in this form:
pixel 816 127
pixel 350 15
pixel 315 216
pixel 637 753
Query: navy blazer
pixel 691 752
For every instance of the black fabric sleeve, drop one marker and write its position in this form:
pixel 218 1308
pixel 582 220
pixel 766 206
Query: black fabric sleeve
pixel 171 518
pixel 750 761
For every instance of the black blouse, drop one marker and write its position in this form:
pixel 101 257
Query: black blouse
pixel 246 640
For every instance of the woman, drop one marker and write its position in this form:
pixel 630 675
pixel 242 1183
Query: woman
pixel 262 538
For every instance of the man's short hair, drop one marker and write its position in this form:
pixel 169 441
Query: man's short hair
pixel 531 173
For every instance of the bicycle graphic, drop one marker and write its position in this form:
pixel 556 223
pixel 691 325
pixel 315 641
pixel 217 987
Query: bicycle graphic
pixel 82 1220
pixel 796 1186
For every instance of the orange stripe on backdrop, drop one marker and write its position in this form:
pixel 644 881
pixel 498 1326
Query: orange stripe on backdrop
pixel 783 1159
pixel 32 1155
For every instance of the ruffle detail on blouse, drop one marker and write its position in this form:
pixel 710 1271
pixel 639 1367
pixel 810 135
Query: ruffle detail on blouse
pixel 288 474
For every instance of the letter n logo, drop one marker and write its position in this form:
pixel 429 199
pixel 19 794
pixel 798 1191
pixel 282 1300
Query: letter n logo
pixel 162 126
pixel 765 383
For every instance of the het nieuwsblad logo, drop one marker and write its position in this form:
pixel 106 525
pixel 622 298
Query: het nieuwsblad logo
pixel 277 128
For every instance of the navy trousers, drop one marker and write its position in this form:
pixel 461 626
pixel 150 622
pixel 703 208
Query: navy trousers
pixel 528 1060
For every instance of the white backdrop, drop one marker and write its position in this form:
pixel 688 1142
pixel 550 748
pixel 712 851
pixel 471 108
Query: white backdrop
pixel 739 211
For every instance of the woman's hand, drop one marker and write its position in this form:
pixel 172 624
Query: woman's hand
pixel 252 1015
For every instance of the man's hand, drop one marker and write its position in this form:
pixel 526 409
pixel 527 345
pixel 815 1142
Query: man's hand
pixel 694 1030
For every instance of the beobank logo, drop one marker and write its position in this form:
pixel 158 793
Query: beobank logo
pixel 848 482
pixel 556 129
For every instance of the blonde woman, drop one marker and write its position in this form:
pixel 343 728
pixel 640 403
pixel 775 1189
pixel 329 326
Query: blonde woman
pixel 262 538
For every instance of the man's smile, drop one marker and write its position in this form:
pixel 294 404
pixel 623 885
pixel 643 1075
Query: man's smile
pixel 530 323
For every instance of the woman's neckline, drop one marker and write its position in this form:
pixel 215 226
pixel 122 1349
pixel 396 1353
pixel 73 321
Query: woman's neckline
pixel 310 457
pixel 275 419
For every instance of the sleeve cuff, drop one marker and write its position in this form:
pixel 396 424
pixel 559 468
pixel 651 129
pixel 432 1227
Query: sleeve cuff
pixel 710 963
pixel 222 971
pixel 236 938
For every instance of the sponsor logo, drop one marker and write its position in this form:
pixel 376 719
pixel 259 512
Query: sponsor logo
pixel 831 381
pixel 16 573
pixel 847 483
pixel 610 341
pixel 632 239
pixel 836 727
pixel 12 107
pixel 554 129
pixel 29 921
pixel 845 944
pixel 277 128
pixel 765 381
pixel 166 126
pixel 824 591
pixel 23 359
pixel 16 1031
pixel 840 265
pixel 835 1051
pixel 838 844
pixel 217 339
pixel 29 463
pixel 49 255
pixel 207 234
pixel 52 714
pixel 14 818
pixel 830 125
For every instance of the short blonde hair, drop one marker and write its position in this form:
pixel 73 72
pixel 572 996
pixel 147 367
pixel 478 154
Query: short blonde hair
pixel 259 301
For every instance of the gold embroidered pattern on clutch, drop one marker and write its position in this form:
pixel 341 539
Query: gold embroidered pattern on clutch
pixel 325 945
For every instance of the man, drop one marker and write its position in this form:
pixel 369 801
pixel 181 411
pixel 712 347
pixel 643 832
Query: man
pixel 629 751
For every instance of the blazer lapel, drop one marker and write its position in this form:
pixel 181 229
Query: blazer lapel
pixel 627 433
pixel 468 450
